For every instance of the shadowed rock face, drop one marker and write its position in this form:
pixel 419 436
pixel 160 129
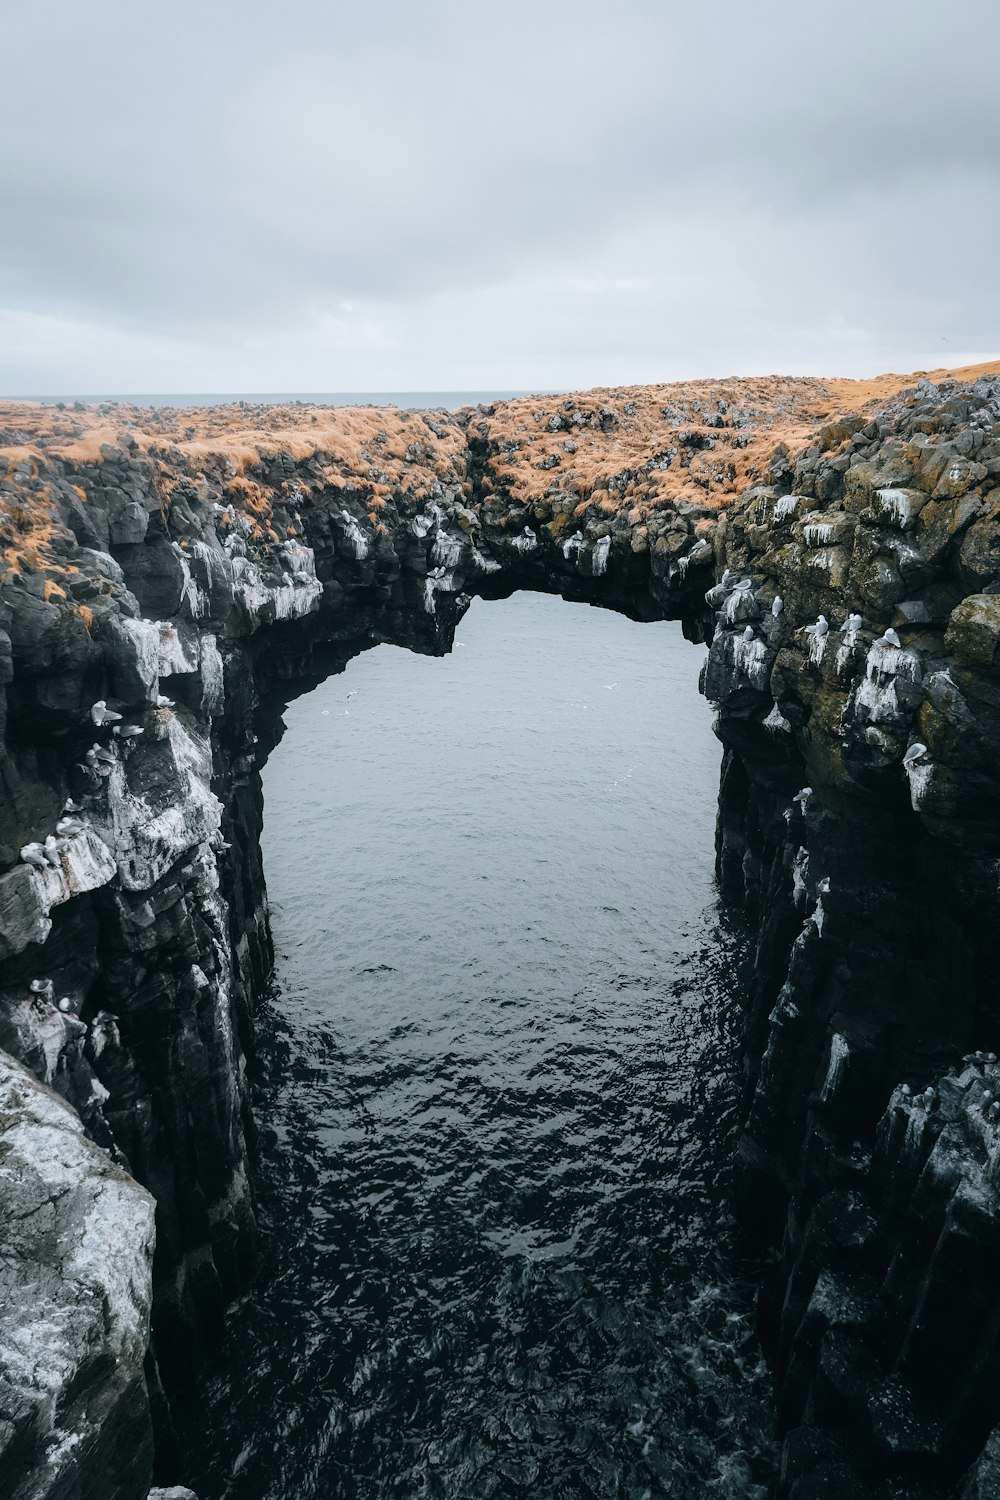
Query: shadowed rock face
pixel 192 580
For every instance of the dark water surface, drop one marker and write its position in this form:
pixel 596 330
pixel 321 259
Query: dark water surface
pixel 500 1066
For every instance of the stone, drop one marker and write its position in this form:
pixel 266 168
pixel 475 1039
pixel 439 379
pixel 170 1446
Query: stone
pixel 77 1240
pixel 973 632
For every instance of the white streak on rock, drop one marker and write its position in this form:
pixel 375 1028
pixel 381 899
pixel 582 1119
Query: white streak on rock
pixel 839 1055
pixel 212 675
pixel 355 540
pixel 599 557
pixel 776 721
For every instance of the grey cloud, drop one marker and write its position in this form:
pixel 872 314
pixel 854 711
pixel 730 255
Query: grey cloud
pixel 222 175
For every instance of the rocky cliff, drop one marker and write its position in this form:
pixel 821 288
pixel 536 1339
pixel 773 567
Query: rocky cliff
pixel 170 580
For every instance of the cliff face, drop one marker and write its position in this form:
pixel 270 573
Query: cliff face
pixel 172 579
pixel 74 1305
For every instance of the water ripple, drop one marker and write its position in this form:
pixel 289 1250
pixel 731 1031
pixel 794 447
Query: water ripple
pixel 498 1086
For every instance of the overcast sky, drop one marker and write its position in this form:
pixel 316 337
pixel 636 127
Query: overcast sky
pixel 316 195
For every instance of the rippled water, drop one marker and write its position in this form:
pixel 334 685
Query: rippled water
pixel 499 1066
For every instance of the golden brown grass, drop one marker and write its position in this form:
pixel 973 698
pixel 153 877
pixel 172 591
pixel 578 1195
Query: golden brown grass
pixel 692 444
pixel 656 452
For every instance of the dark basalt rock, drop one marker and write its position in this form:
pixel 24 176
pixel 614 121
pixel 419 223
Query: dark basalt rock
pixel 871 1205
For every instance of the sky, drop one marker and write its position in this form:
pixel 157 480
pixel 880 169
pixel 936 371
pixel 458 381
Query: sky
pixel 405 195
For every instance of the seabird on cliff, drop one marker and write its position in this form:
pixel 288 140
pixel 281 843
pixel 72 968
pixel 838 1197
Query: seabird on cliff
pixel 819 629
pixel 743 585
pixel 69 806
pixel 777 605
pixel 128 731
pixel 43 987
pixel 34 854
pixel 913 754
pixel 69 826
pixel 905 1090
pixel 106 757
pixel 889 638
pixel 851 625
pixel 54 850
pixel 102 714
pixel 65 1004
pixel 164 702
pixel 748 634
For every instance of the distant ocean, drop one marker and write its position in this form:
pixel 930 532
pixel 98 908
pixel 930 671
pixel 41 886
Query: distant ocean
pixel 416 400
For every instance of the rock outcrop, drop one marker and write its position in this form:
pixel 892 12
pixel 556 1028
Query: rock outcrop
pixel 170 580
pixel 76 1247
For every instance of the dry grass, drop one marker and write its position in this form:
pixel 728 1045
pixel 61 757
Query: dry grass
pixel 357 445
pixel 692 443
pixel 631 451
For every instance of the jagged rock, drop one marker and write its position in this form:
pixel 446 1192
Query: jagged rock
pixel 76 1237
pixel 238 578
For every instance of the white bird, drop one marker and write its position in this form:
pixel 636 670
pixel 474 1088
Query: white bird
pixel 54 850
pixel 851 625
pixel 777 605
pixel 905 1090
pixel 743 585
pixel 42 987
pixel 726 578
pixel 106 757
pixel 610 685
pixel 803 797
pixel 163 702
pixel 820 628
pixel 914 754
pixel 102 714
pixel 127 731
pixel 34 854
pixel 69 826
pixel 69 806
pixel 65 1003
pixel 889 638
pixel 748 634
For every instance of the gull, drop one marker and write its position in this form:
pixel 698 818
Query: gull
pixel 889 638
pixel 777 605
pixel 42 987
pixel 34 854
pixel 127 731
pixel 102 714
pixel 69 826
pixel 54 850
